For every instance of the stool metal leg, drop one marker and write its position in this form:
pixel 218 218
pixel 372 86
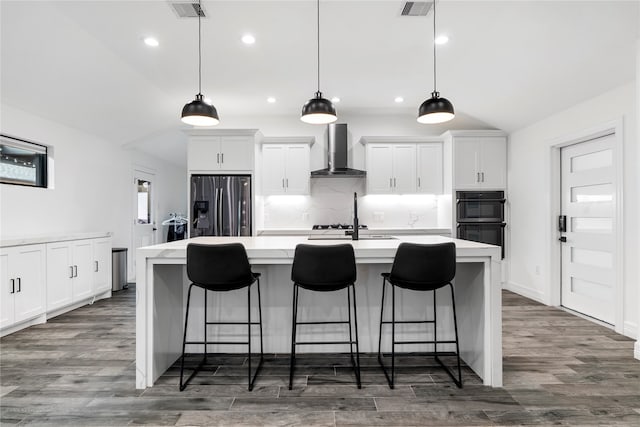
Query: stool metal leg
pixel 183 384
pixel 457 381
pixel 390 378
pixel 252 379
pixel 293 335
pixel 356 366
pixel 393 335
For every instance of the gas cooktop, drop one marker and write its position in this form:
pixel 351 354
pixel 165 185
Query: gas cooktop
pixel 337 227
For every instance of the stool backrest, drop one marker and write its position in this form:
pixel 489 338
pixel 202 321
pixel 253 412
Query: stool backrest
pixel 219 267
pixel 324 267
pixel 423 267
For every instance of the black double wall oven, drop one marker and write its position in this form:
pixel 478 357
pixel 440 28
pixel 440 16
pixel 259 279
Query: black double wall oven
pixel 480 217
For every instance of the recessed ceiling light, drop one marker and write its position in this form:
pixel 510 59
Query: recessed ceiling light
pixel 248 39
pixel 271 100
pixel 399 99
pixel 442 39
pixel 151 41
pixel 335 99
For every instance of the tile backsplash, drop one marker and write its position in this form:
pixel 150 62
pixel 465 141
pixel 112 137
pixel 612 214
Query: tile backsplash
pixel 331 201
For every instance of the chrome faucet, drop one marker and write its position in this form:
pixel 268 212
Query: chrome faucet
pixel 354 235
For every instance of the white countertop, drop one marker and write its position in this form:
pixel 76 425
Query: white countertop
pixel 48 238
pixel 280 249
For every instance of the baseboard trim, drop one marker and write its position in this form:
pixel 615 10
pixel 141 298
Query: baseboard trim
pixel 525 291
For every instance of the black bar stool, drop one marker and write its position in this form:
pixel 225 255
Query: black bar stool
pixel 420 268
pixel 221 268
pixel 325 268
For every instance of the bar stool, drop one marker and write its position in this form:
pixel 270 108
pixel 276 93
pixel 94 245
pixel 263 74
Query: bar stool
pixel 325 268
pixel 420 268
pixel 221 268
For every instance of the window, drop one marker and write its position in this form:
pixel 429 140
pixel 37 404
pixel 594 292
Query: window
pixel 22 162
pixel 144 202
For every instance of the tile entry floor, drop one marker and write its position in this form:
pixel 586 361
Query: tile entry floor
pixel 79 369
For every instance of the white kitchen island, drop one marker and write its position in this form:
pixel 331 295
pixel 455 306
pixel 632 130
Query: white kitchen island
pixel 162 285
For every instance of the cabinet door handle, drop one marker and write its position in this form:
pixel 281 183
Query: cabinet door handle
pixel 218 158
pixel 19 284
pixel 477 176
pixel 222 158
pixel 419 184
pixel 482 176
pixel 390 182
pixel 96 270
pixel 13 286
pixel 71 267
pixel 287 181
pixel 282 182
pixel 394 182
pixel 75 271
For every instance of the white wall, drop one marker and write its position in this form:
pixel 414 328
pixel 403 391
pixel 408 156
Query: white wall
pixel 93 188
pixel 529 195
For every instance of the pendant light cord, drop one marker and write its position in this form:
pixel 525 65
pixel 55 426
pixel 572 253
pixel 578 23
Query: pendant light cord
pixel 434 47
pixel 318 39
pixel 199 48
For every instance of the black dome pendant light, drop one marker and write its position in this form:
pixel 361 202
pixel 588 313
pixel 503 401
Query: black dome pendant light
pixel 435 109
pixel 318 110
pixel 198 112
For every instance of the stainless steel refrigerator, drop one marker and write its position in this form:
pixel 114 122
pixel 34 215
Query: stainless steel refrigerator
pixel 220 205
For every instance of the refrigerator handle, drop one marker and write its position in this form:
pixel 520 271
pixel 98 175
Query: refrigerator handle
pixel 215 213
pixel 220 218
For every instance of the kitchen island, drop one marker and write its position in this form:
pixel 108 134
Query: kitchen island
pixel 162 285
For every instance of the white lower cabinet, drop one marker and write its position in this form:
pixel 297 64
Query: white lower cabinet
pixel 77 270
pixel 101 265
pixel 22 283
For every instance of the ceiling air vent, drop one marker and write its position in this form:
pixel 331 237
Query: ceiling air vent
pixel 416 8
pixel 187 10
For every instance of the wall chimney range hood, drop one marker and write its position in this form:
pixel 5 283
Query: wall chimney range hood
pixel 337 155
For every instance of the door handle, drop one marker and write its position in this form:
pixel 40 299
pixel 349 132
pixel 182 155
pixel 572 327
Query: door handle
pixel 282 182
pixel 218 158
pixel 477 176
pixel 96 270
pixel 390 182
pixel 222 158
pixel 13 286
pixel 71 267
pixel 562 223
pixel 19 284
pixel 394 183
pixel 482 176
pixel 563 239
pixel 419 184
pixel 287 181
pixel 75 271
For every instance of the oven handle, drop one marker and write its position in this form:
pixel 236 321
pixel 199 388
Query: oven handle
pixel 481 200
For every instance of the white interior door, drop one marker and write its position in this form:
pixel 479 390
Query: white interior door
pixel 144 216
pixel 589 252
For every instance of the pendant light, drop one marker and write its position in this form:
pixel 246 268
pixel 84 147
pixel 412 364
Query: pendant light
pixel 318 110
pixel 198 112
pixel 435 109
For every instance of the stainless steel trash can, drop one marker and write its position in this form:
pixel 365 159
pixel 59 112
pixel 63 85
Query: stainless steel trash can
pixel 118 268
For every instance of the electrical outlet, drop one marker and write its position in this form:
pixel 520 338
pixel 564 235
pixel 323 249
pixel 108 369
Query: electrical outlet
pixel 378 216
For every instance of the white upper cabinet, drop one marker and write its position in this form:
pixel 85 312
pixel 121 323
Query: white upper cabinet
pixel 221 151
pixel 398 167
pixel 286 168
pixel 430 168
pixel 22 283
pixel 479 159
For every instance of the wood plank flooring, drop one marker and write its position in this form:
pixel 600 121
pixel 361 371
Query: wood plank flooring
pixel 79 369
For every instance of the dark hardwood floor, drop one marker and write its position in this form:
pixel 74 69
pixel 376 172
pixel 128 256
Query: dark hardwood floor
pixel 79 369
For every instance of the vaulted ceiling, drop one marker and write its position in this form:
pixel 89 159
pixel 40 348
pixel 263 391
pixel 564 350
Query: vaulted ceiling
pixel 507 63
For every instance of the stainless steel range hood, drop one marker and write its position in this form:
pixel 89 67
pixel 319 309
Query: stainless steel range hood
pixel 337 155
